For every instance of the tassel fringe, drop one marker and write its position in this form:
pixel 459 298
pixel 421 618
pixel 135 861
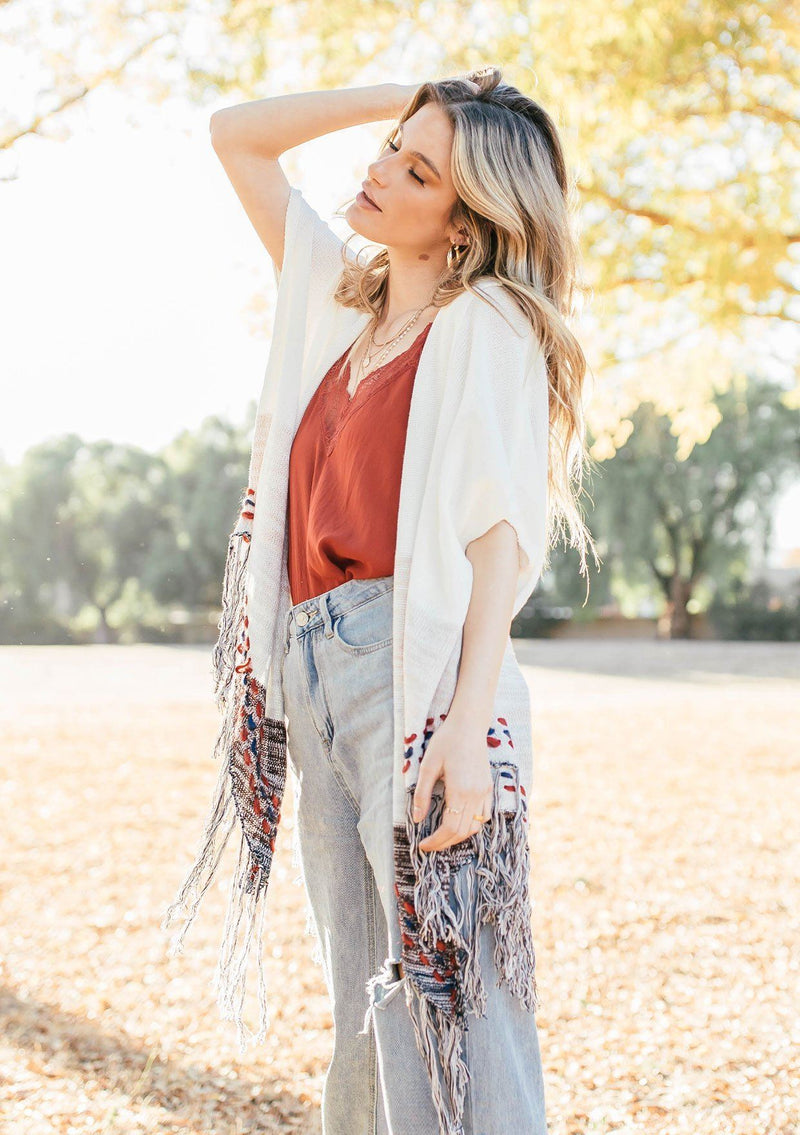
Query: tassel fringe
pixel 218 828
pixel 440 1041
pixel 444 899
pixel 244 927
pixel 231 649
pixel 251 748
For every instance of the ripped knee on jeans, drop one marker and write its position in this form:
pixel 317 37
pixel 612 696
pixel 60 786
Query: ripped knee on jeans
pixel 381 988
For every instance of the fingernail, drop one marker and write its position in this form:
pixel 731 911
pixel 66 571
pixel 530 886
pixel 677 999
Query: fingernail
pixel 416 813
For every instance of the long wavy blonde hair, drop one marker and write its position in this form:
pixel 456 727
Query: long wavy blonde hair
pixel 517 202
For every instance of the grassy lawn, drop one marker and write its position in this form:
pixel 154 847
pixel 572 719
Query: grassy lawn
pixel 665 836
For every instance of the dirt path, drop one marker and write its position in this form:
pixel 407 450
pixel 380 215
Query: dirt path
pixel 666 853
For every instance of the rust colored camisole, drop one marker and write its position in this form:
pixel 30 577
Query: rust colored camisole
pixel 345 466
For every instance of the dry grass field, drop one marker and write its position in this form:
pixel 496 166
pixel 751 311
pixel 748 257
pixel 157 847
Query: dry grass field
pixel 666 856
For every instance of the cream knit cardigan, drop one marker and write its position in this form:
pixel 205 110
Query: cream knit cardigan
pixel 476 453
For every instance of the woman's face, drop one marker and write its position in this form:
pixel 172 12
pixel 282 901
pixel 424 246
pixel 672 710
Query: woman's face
pixel 415 200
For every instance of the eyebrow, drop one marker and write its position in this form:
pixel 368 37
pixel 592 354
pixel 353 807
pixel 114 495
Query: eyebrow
pixel 421 157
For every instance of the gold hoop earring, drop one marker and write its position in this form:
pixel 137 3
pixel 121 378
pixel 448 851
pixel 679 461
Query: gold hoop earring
pixel 455 253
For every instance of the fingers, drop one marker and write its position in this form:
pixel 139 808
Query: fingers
pixel 430 772
pixel 457 825
pixel 422 795
pixel 467 826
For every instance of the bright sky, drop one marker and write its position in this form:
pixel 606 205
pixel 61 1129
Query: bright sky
pixel 130 269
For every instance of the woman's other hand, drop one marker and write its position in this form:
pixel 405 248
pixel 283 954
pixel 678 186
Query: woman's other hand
pixel 458 754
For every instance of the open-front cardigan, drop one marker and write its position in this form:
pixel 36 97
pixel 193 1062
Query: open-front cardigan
pixel 476 453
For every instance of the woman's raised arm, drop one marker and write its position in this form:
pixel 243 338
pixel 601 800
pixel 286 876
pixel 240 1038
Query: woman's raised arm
pixel 249 138
pixel 269 127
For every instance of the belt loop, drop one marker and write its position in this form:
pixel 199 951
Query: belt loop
pixel 326 615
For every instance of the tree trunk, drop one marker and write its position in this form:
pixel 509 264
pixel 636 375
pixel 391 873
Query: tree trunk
pixel 103 633
pixel 677 621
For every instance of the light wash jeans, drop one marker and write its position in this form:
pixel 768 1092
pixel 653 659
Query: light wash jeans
pixel 337 686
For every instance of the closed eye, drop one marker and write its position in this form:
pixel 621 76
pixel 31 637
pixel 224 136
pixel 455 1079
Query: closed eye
pixel 416 175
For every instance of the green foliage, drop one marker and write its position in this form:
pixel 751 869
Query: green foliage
pixel 103 542
pixel 137 616
pixel 100 540
pixel 755 615
pixel 683 522
pixel 681 125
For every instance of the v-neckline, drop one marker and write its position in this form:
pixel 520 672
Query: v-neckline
pixel 350 398
pixel 348 405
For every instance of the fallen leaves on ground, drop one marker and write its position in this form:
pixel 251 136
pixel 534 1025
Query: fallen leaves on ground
pixel 665 858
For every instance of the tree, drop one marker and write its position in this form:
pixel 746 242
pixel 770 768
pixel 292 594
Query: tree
pixel 36 547
pixel 114 516
pixel 115 528
pixel 682 519
pixel 208 476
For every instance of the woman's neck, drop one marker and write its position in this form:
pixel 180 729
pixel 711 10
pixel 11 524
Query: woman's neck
pixel 406 293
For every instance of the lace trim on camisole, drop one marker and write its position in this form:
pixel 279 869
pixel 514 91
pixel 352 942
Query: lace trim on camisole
pixel 337 406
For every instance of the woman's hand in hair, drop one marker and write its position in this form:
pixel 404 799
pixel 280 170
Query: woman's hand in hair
pixel 404 93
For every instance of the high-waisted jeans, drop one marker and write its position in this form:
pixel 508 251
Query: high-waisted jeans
pixel 337 686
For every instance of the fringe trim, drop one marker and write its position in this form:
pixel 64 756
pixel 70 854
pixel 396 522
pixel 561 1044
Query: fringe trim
pixel 440 1041
pixel 250 786
pixel 444 899
pixel 231 650
pixel 218 827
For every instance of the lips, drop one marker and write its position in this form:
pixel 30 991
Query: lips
pixel 363 190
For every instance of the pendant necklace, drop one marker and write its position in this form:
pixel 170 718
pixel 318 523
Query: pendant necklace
pixel 384 348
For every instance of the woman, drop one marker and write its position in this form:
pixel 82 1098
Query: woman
pixel 403 492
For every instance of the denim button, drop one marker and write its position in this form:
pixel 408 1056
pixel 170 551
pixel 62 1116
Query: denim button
pixel 303 617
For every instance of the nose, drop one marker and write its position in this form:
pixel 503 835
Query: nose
pixel 373 169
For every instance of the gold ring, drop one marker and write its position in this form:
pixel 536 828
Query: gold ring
pixel 481 819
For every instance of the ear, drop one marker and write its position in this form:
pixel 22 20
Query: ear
pixel 458 236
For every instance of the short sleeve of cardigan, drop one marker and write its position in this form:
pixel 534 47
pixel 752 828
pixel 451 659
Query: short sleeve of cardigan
pixel 312 264
pixel 313 258
pixel 497 456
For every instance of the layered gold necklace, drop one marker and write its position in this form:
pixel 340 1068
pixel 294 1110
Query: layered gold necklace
pixel 385 348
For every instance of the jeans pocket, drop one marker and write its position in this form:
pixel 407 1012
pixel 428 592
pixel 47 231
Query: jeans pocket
pixel 365 628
